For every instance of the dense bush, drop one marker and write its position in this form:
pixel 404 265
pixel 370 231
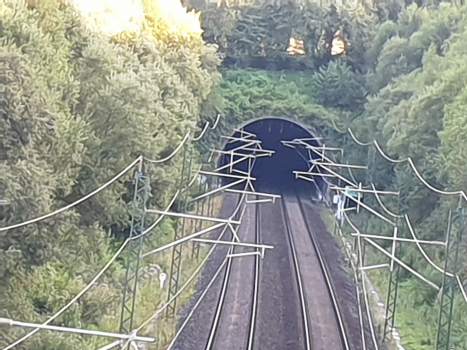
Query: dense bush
pixel 258 36
pixel 78 103
pixel 416 84
pixel 336 85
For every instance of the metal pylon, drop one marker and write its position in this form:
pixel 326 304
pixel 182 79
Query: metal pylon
pixel 134 250
pixel 453 241
pixel 371 155
pixel 179 232
pixel 394 270
pixel 200 210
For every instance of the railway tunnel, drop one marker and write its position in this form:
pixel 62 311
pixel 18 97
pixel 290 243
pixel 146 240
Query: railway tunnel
pixel 275 174
pixel 297 296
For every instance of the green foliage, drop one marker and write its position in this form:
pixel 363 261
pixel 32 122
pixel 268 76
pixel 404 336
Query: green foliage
pixel 338 86
pixel 257 36
pixel 418 30
pixel 453 148
pixel 250 94
pixel 76 107
pixel 385 31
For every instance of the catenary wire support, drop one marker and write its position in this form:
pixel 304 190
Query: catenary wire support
pixel 394 274
pixel 371 155
pixel 130 337
pixel 198 224
pixel 448 287
pixel 369 181
pixel 360 245
pixel 211 198
pixel 175 266
pixel 141 192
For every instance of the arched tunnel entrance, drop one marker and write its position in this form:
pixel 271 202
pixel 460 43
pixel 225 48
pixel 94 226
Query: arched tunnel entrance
pixel 275 174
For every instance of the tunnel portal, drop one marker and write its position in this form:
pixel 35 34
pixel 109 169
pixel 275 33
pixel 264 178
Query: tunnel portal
pixel 274 174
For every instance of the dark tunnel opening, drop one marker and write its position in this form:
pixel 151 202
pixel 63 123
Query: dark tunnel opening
pixel 275 174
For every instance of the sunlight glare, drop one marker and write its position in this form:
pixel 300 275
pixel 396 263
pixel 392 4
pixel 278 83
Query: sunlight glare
pixel 113 17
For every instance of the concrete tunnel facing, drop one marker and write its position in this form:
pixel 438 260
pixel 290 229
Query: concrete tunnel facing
pixel 275 174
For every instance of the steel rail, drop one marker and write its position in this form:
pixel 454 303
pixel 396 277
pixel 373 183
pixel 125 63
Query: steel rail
pixel 236 212
pixel 303 304
pixel 220 302
pixel 223 293
pixel 329 283
pixel 254 304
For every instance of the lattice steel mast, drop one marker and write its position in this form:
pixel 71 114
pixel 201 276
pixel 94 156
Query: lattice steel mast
pixel 141 191
pixel 453 242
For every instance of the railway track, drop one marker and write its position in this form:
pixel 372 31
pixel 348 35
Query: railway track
pixel 298 277
pixel 286 301
pixel 233 325
pixel 338 331
pixel 254 302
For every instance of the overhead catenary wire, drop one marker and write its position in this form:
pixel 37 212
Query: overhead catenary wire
pixel 390 213
pixel 193 179
pixel 401 263
pixel 343 178
pixel 69 206
pixel 434 189
pixel 205 129
pixel 216 123
pixel 182 288
pixel 385 156
pixel 113 345
pixel 89 285
pixel 429 186
pixel 179 147
pixel 72 301
pixel 337 129
pixel 160 218
pixel 420 177
pixel 96 191
pixel 351 175
pixel 122 247
pixel 398 161
pixel 420 248
pixel 461 287
pixel 136 337
pixel 363 144
pixel 367 306
pixel 187 319
pixel 396 260
pixel 426 184
pixel 412 165
pixel 371 210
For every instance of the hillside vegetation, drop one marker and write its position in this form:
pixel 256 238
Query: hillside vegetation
pixel 83 93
